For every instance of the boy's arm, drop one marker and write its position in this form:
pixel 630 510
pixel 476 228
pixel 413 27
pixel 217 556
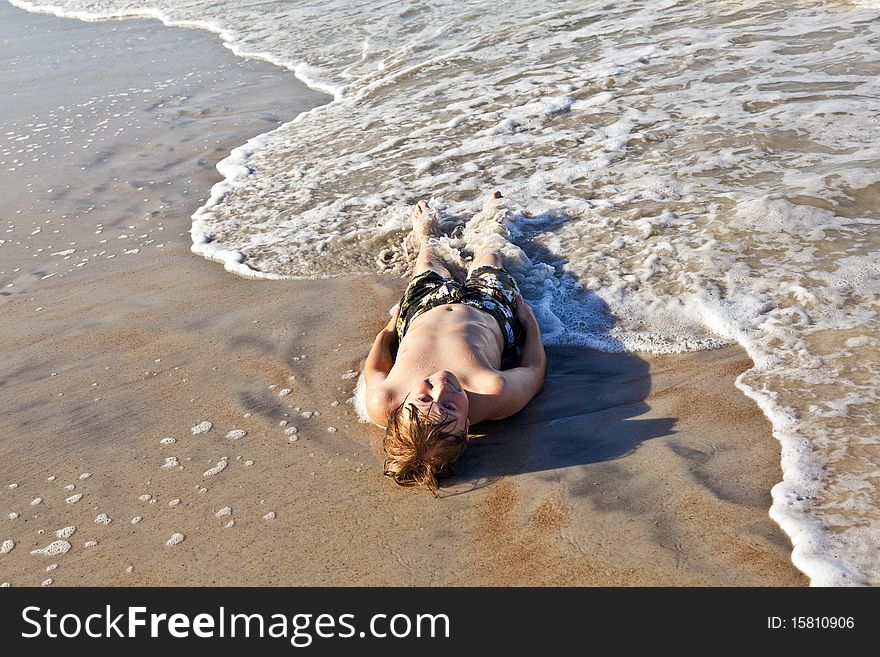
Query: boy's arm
pixel 376 368
pixel 522 383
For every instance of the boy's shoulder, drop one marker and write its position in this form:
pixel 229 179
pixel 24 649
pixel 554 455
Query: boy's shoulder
pixel 378 402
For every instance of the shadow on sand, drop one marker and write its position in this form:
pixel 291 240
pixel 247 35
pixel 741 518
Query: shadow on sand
pixel 586 412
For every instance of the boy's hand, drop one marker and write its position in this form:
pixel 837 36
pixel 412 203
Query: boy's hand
pixel 524 312
pixel 391 327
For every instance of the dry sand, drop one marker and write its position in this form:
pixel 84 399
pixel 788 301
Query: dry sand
pixel 627 469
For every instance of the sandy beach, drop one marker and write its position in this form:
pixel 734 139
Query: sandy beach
pixel 627 469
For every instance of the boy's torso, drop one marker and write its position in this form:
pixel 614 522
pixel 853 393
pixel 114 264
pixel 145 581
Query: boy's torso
pixel 458 338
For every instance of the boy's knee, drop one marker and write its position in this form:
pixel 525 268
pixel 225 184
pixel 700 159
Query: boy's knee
pixel 487 257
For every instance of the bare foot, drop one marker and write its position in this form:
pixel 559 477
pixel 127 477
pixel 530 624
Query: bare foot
pixel 423 219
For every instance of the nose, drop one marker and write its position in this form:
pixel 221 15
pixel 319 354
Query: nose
pixel 436 389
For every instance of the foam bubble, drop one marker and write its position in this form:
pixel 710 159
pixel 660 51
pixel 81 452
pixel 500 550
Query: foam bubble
pixel 65 532
pixel 217 469
pixel 36 501
pixel 225 511
pixel 136 520
pixel 174 502
pixel 175 539
pixel 89 544
pixel 53 549
pixel 269 516
pixel 13 515
pixel 168 441
pixel 235 434
pixel 73 499
pixel 103 519
pixel 7 546
pixel 47 582
pixel 201 427
pixel 170 462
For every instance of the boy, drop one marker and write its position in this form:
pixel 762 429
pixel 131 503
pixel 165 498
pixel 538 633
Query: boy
pixel 447 374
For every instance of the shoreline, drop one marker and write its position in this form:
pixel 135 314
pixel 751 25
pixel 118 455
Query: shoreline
pixel 128 346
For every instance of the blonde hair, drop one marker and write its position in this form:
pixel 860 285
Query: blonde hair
pixel 419 451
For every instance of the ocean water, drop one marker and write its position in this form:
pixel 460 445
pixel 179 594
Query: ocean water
pixel 677 176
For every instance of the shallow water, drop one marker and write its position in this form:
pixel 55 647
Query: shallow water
pixel 678 175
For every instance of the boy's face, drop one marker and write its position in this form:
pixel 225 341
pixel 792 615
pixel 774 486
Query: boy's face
pixel 439 396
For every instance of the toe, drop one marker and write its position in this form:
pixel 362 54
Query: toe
pixel 496 195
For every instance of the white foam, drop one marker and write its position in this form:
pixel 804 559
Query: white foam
pixel 201 427
pixel 235 434
pixel 7 546
pixel 217 469
pixel 65 532
pixel 73 499
pixel 360 400
pixel 168 441
pixel 53 549
pixel 225 511
pixel 175 539
pixel 103 519
pixel 13 515
pixel 170 462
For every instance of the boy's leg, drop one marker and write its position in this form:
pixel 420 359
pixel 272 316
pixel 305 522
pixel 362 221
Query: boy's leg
pixel 429 259
pixel 489 257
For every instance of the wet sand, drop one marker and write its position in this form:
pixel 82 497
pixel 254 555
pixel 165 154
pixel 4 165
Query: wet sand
pixel 626 470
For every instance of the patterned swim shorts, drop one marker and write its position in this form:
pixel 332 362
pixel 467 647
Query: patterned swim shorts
pixel 491 289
